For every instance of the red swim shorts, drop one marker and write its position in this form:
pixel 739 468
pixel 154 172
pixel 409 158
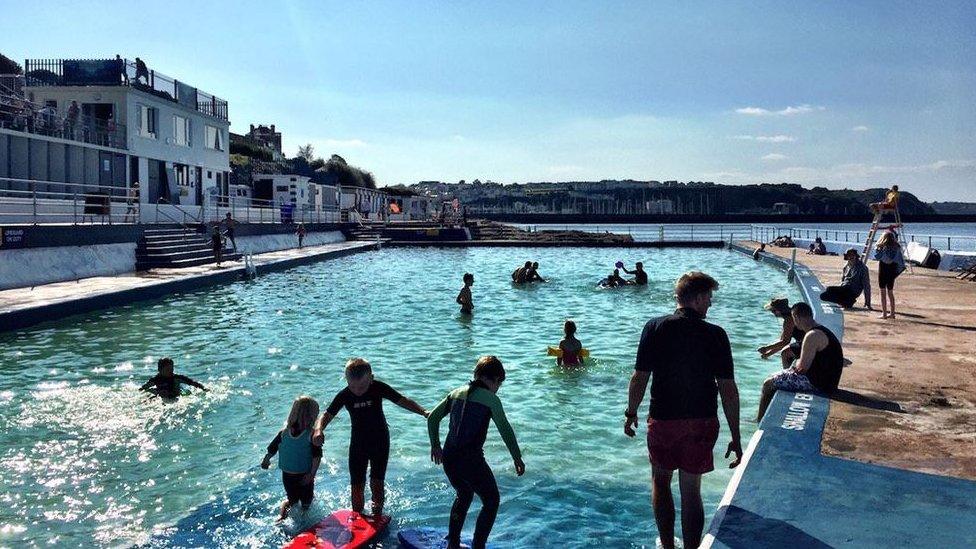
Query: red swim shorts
pixel 684 444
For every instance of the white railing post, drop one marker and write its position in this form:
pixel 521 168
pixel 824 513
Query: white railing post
pixel 34 195
pixel 74 208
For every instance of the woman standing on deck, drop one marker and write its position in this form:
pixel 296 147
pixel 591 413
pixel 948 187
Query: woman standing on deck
pixel 891 263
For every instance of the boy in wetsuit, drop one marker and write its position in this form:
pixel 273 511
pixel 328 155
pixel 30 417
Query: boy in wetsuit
pixel 471 407
pixel 369 443
pixel 165 384
pixel 640 275
pixel 464 296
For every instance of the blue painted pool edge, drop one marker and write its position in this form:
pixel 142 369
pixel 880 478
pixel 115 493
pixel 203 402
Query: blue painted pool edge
pixel 787 494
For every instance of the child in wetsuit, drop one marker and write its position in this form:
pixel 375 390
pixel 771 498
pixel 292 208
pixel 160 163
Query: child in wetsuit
pixel 570 346
pixel 471 407
pixel 165 384
pixel 298 455
pixel 369 444
pixel 464 296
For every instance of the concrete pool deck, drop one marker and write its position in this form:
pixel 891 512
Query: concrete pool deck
pixel 787 492
pixel 24 307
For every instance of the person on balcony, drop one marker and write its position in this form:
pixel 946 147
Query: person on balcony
pixel 71 120
pixel 141 71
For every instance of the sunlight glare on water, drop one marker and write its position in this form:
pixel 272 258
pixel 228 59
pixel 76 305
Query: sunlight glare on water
pixel 88 460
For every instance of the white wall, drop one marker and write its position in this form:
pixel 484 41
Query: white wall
pixel 273 242
pixel 35 266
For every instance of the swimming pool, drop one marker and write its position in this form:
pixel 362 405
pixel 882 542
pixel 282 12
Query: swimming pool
pixel 86 460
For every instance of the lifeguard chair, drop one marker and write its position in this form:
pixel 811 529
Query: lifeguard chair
pixel 888 206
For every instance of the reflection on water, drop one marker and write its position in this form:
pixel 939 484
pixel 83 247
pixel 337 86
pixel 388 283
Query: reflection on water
pixel 85 459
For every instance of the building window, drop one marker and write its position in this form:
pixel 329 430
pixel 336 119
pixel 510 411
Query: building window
pixel 147 121
pixel 215 139
pixel 181 130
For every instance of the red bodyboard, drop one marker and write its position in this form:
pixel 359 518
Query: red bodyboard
pixel 341 530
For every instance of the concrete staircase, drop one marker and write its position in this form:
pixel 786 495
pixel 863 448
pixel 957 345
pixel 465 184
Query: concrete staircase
pixel 365 233
pixel 176 248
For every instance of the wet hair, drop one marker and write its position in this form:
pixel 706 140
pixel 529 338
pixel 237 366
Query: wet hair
pixel 569 328
pixel 468 277
pixel 693 284
pixel 528 264
pixel 163 363
pixel 489 367
pixel 640 264
pixel 302 415
pixel 802 310
pixel 894 187
pixel 535 264
pixel 358 368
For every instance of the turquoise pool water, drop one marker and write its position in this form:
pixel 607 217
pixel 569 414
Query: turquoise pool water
pixel 87 460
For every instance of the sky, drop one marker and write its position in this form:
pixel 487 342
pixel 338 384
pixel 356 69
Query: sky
pixel 835 94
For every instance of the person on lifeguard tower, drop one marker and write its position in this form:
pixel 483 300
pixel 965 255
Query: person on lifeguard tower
pixel 890 202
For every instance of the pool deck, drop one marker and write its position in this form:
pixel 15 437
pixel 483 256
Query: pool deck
pixel 24 307
pixel 789 493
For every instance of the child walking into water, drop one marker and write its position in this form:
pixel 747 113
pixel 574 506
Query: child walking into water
pixel 471 407
pixel 369 445
pixel 298 455
pixel 570 346
pixel 165 383
pixel 464 296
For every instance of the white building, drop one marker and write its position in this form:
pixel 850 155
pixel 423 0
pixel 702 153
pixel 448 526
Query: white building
pixel 175 137
pixel 369 204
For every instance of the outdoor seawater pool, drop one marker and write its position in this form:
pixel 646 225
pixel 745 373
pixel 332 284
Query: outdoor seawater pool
pixel 87 460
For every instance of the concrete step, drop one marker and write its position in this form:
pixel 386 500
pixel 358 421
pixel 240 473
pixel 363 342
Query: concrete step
pixel 175 247
pixel 179 264
pixel 175 255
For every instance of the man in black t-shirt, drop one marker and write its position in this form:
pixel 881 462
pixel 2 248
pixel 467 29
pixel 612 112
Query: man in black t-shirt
pixel 369 445
pixel 691 364
pixel 818 368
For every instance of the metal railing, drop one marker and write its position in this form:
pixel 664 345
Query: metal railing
pixel 21 115
pixel 767 233
pixel 40 202
pixel 665 232
pixel 254 210
pixel 121 72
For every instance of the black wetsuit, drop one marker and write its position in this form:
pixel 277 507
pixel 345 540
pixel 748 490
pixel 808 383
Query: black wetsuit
pixel 369 443
pixel 168 386
pixel 640 277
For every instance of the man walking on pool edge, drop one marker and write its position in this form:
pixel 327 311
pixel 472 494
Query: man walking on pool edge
pixel 691 363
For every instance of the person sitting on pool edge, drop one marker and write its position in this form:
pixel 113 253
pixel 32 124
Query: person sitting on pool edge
pixel 369 445
pixel 820 364
pixel 464 296
pixel 471 406
pixel 520 275
pixel 570 346
pixel 756 253
pixel 781 309
pixel 640 275
pixel 165 383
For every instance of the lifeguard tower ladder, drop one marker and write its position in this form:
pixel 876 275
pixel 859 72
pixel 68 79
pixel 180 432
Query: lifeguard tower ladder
pixel 876 224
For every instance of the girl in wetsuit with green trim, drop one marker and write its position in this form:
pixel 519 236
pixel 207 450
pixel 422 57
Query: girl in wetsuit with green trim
pixel 471 407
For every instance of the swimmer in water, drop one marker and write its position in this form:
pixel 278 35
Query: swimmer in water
pixel 615 280
pixel 570 346
pixel 464 296
pixel 470 407
pixel 640 275
pixel 521 274
pixel 532 275
pixel 165 383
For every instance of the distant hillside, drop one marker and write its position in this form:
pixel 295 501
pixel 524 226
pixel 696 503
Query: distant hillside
pixel 949 208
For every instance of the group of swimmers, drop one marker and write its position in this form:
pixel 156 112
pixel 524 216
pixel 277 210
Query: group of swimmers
pixel 615 280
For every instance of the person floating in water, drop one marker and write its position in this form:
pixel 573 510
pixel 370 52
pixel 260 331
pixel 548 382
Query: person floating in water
pixel 570 346
pixel 165 383
pixel 521 274
pixel 640 275
pixel 369 446
pixel 471 407
pixel 790 351
pixel 298 455
pixel 464 296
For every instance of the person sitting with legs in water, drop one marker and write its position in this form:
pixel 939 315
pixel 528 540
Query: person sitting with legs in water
pixel 790 348
pixel 298 455
pixel 464 296
pixel 640 276
pixel 820 364
pixel 369 445
pixel 570 346
pixel 165 384
pixel 471 407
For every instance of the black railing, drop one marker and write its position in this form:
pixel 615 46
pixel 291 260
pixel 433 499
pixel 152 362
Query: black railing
pixel 121 72
pixel 21 115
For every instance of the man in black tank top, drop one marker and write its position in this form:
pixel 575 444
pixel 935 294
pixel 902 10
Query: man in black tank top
pixel 819 366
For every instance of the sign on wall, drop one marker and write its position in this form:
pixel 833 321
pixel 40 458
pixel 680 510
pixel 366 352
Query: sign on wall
pixel 12 238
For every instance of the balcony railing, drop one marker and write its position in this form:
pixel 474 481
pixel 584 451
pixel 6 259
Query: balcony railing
pixel 121 72
pixel 21 115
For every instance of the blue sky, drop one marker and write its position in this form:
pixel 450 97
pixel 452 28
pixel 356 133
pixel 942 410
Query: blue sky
pixel 837 94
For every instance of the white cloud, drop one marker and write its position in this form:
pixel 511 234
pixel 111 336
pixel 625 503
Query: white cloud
pixel 859 129
pixel 775 156
pixel 788 111
pixel 344 143
pixel 766 138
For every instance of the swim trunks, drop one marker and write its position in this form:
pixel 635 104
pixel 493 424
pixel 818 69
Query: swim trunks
pixel 684 444
pixel 791 380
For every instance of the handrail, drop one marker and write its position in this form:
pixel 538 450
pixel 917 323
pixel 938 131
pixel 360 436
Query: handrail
pixel 763 232
pixel 177 206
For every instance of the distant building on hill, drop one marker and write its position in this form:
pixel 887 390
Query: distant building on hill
pixel 268 137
